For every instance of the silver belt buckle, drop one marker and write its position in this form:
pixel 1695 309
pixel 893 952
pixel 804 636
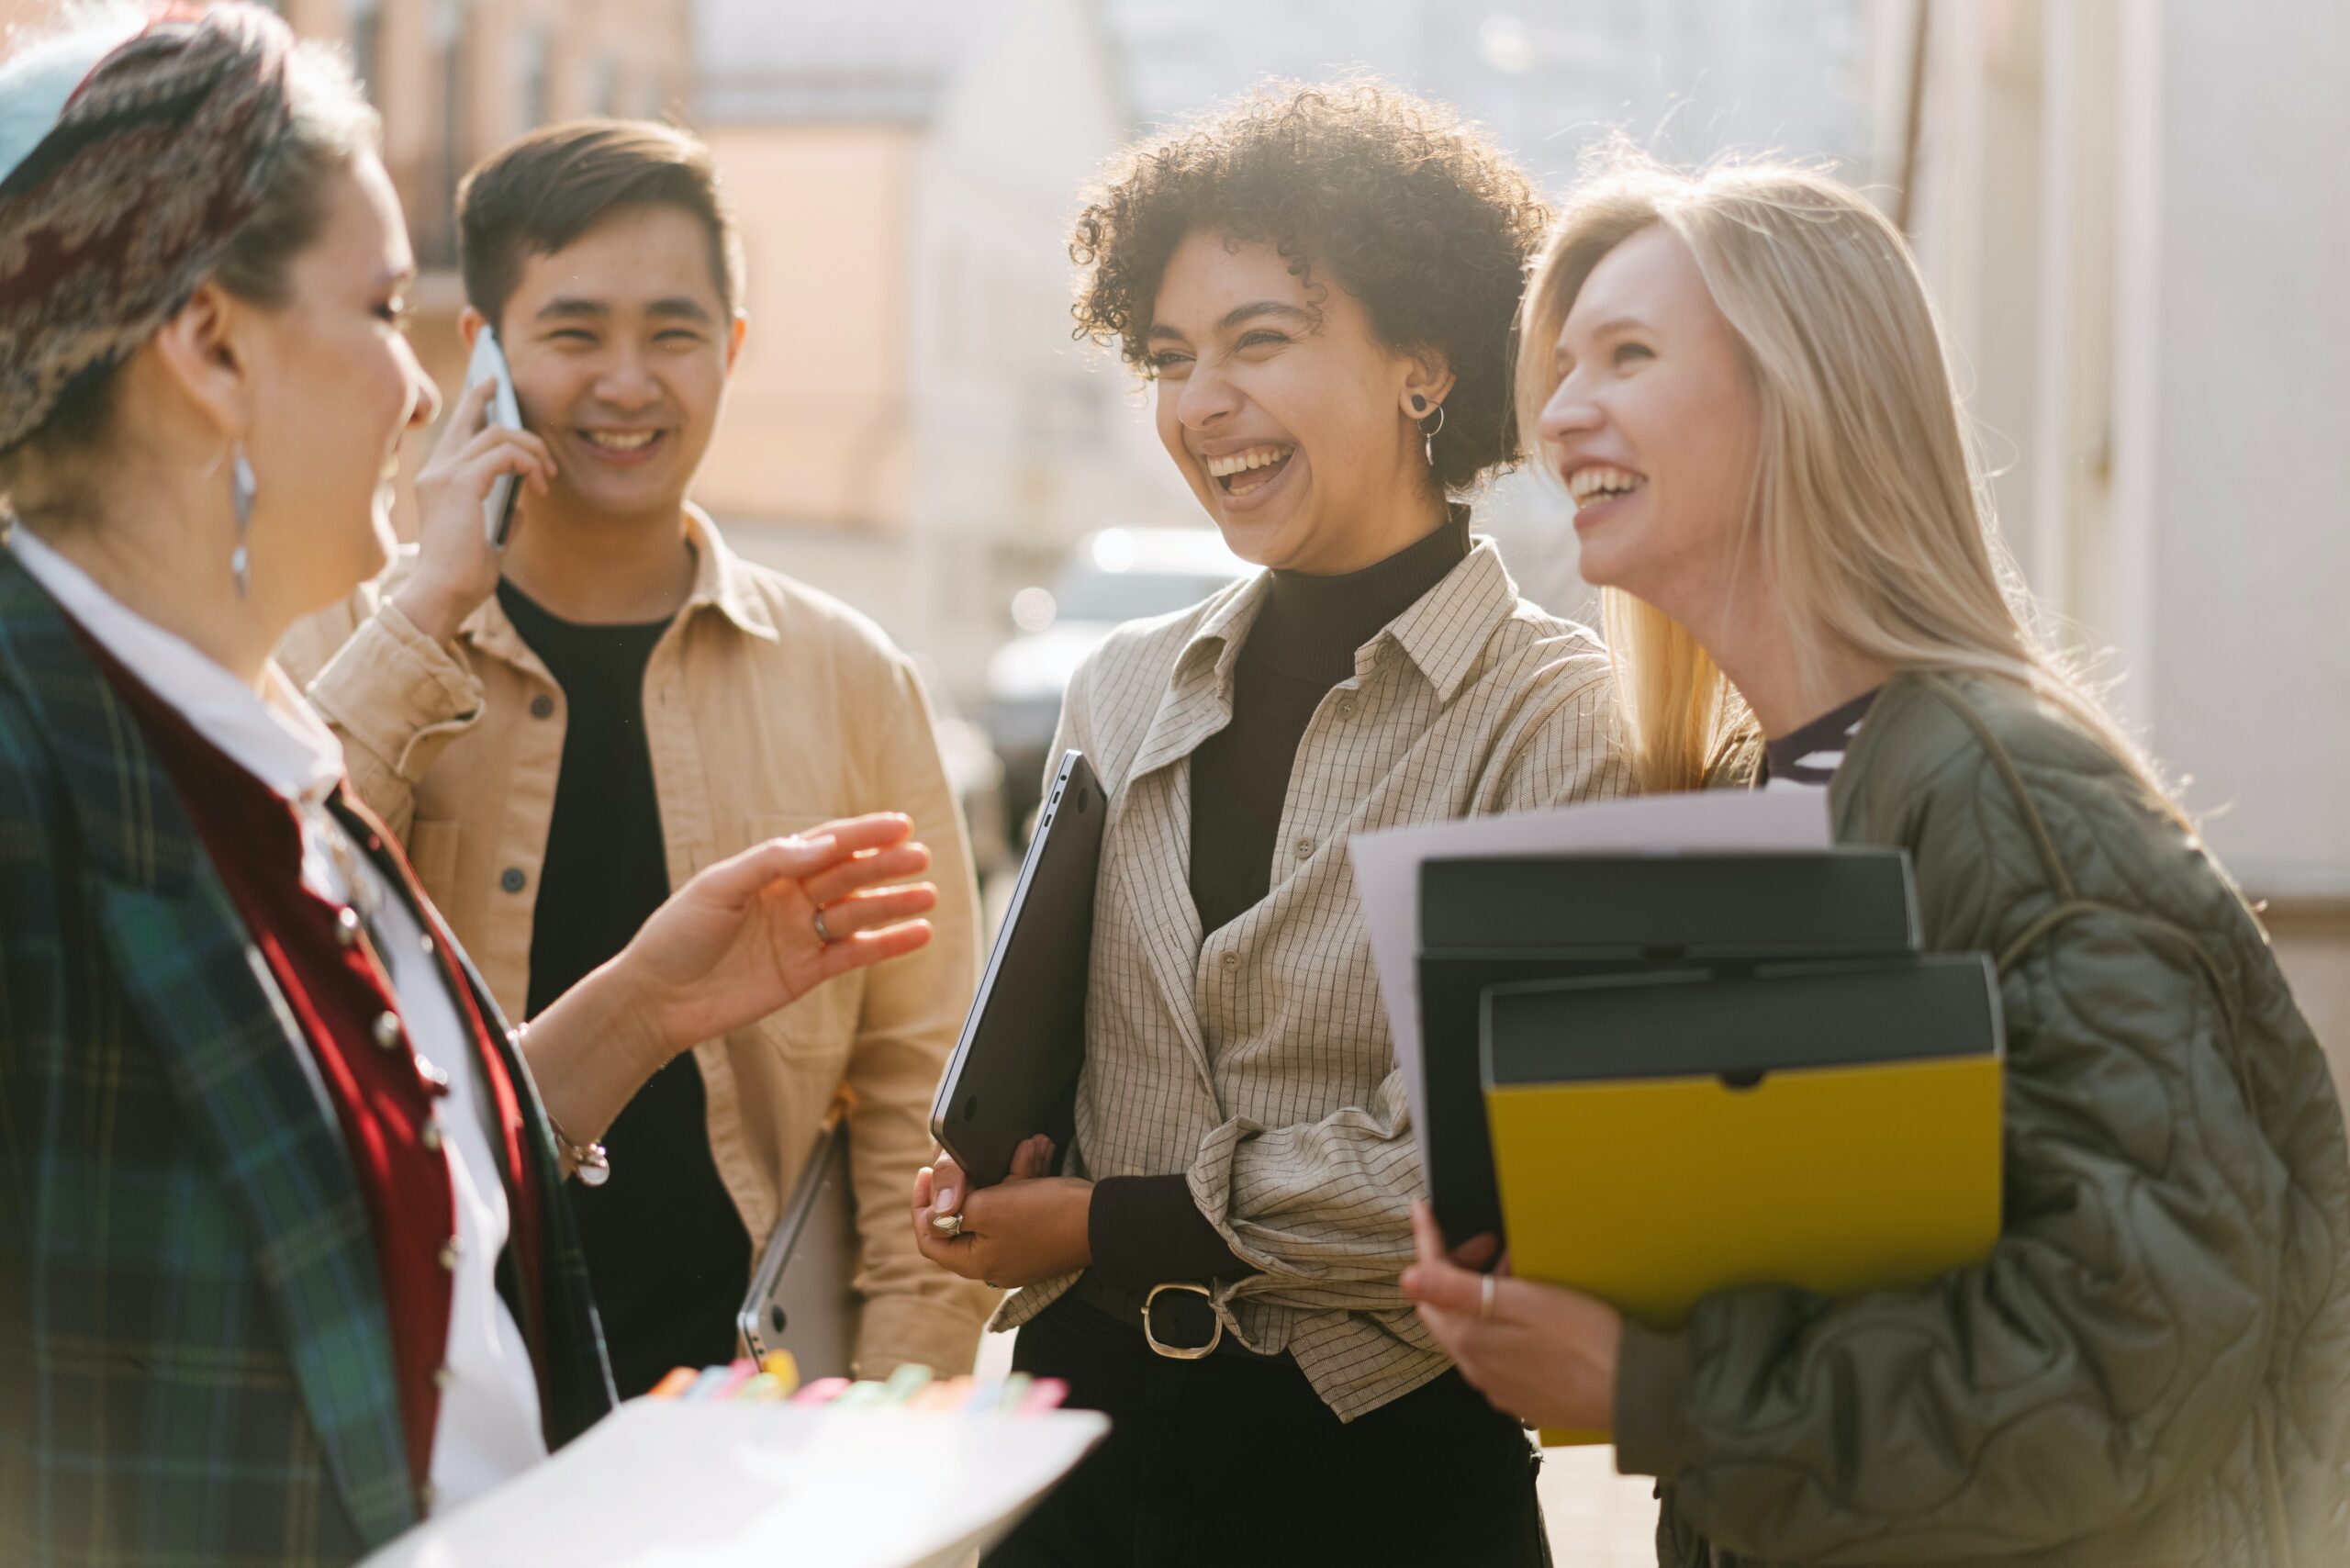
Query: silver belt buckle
pixel 1180 1352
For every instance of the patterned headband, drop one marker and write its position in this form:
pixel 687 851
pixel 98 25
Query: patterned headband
pixel 130 202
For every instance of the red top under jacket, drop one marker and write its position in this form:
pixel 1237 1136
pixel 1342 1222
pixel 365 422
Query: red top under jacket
pixel 336 989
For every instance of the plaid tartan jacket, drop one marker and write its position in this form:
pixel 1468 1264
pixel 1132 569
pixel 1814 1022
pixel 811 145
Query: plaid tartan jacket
pixel 195 1367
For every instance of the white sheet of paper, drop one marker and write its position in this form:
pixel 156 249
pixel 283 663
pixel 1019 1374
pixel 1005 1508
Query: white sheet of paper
pixel 1387 869
pixel 674 1483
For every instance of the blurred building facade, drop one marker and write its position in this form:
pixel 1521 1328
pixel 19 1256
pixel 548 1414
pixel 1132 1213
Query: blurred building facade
pixel 454 79
pixel 2131 213
pixel 1688 78
pixel 910 425
pixel 1547 78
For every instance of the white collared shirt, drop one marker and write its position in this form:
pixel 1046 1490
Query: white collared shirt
pixel 489 1429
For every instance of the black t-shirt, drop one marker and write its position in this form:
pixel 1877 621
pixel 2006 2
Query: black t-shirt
pixel 1301 644
pixel 665 1247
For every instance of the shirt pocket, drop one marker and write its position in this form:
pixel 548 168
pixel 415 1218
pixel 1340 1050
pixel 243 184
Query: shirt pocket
pixel 821 1025
pixel 432 851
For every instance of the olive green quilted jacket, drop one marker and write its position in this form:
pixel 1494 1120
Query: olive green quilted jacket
pixel 2153 1367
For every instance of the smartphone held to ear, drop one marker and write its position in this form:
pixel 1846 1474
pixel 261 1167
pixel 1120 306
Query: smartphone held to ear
pixel 488 364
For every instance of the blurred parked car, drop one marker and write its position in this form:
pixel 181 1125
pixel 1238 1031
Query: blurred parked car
pixel 1114 576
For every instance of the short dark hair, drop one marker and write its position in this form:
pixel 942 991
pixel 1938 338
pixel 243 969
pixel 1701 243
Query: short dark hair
pixel 541 193
pixel 1412 212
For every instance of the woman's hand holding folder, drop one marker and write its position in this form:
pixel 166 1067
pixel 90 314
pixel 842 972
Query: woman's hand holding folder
pixel 1027 1228
pixel 1542 1353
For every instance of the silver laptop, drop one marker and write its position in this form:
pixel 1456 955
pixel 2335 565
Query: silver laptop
pixel 802 1297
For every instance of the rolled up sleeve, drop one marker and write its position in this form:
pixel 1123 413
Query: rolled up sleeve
pixel 395 698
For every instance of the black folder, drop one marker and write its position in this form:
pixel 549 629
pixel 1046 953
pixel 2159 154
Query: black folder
pixel 1776 1017
pixel 1508 921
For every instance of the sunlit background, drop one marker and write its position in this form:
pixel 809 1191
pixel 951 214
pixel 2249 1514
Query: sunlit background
pixel 2132 211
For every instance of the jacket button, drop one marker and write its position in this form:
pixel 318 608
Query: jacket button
pixel 346 926
pixel 434 1079
pixel 1230 960
pixel 426 941
pixel 430 1138
pixel 1305 849
pixel 1346 707
pixel 425 1496
pixel 443 1377
pixel 450 1252
pixel 387 1030
pixel 511 879
pixel 542 706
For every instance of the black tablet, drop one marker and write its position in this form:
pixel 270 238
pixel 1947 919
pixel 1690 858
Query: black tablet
pixel 1014 1073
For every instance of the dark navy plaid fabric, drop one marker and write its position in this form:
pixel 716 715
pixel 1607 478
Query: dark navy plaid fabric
pixel 194 1364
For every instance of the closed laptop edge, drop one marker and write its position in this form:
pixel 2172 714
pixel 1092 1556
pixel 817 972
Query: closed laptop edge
pixel 803 1296
pixel 1014 1070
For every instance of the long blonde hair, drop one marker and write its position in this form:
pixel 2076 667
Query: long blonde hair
pixel 1868 513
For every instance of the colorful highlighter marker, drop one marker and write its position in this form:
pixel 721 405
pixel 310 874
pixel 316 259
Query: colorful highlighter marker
pixel 1046 1395
pixel 679 1380
pixel 737 1373
pixel 951 1394
pixel 778 1365
pixel 1013 1394
pixel 823 1391
pixel 761 1389
pixel 705 1385
pixel 904 1384
pixel 859 1394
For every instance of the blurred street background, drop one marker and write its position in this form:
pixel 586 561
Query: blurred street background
pixel 2131 211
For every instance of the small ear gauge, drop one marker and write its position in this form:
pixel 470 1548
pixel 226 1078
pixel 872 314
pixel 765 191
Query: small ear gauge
pixel 1419 404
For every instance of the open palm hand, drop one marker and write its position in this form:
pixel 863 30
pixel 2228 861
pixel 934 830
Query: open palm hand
pixel 740 940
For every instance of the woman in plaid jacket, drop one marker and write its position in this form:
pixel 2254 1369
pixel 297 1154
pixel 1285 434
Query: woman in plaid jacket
pixel 285 1262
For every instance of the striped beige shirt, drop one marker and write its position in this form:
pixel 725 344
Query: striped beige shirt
pixel 1258 1061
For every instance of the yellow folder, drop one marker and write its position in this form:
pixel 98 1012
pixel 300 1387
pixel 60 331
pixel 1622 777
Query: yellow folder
pixel 1652 1193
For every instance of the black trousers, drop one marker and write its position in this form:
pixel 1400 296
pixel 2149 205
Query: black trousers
pixel 1234 1459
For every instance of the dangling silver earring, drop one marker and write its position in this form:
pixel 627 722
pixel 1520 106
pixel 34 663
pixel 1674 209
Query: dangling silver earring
pixel 240 500
pixel 1428 436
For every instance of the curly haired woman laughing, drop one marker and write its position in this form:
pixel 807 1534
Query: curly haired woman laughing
pixel 1319 284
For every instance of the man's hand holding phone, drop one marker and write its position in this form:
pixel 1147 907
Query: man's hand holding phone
pixel 457 566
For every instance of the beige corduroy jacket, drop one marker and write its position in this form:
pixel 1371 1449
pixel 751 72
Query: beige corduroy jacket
pixel 769 708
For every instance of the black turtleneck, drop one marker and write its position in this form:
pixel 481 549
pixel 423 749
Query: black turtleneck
pixel 1301 644
pixel 1144 1230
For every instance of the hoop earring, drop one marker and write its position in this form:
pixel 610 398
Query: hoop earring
pixel 1428 436
pixel 240 500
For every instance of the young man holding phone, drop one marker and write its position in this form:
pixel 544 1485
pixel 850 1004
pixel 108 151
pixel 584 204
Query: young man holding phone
pixel 564 731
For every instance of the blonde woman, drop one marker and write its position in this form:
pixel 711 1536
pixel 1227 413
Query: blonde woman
pixel 1737 378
